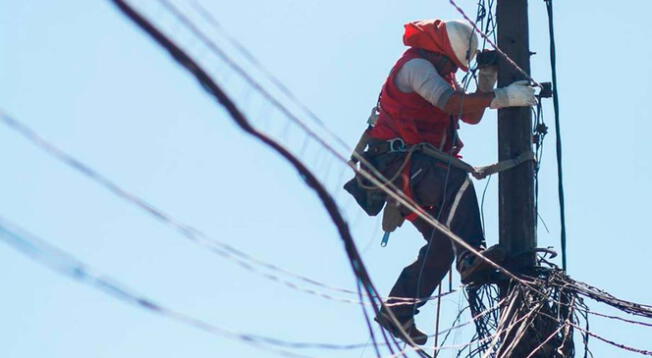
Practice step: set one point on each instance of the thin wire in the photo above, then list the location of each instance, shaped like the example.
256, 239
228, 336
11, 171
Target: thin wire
67, 265
555, 101
192, 233
401, 199
443, 203
210, 19
505, 56
539, 133
436, 353
603, 339
484, 193
454, 123
396, 194
218, 94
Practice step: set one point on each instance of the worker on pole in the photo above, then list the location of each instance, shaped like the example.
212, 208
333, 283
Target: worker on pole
420, 106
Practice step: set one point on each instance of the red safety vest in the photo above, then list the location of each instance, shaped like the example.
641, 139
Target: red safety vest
413, 118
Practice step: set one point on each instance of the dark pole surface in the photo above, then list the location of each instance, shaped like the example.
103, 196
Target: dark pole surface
516, 186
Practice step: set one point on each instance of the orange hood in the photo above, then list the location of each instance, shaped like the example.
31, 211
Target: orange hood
431, 35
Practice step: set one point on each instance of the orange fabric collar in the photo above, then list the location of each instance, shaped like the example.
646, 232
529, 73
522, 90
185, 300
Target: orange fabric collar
431, 35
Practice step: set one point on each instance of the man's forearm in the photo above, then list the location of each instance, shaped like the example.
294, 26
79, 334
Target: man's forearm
473, 117
472, 104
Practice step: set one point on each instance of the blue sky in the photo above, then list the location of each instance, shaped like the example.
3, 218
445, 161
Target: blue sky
91, 82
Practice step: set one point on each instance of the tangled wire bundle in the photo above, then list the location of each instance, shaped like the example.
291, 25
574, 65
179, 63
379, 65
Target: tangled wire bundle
535, 320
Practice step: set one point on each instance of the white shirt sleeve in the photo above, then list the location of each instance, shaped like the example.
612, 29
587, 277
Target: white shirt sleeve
420, 76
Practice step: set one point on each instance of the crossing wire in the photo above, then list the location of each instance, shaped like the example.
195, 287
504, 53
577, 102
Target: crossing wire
67, 265
454, 238
555, 98
32, 136
146, 303
372, 174
355, 260
434, 222
212, 88
397, 195
191, 233
493, 44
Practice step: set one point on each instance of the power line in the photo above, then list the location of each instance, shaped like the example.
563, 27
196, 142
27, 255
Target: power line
372, 174
435, 222
393, 192
225, 98
67, 265
555, 100
193, 234
501, 52
209, 85
311, 180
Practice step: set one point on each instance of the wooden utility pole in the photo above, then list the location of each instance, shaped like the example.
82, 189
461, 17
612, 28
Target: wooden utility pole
516, 186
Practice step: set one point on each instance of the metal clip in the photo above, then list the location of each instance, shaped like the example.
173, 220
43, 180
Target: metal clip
396, 145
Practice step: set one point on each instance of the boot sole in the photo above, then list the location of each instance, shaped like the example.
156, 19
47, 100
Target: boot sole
387, 325
497, 256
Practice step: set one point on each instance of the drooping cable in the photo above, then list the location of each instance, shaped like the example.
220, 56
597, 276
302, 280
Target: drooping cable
194, 66
192, 233
555, 101
43, 252
370, 173
188, 231
183, 59
67, 265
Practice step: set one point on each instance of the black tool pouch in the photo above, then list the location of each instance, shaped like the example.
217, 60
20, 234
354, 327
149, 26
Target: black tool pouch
372, 200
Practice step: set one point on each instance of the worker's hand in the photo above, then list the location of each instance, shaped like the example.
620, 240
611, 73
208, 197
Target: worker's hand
517, 94
487, 78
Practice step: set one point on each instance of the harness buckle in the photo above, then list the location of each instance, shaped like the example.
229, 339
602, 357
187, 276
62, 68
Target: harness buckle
396, 145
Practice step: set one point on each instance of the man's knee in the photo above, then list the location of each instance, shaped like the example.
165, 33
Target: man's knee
439, 252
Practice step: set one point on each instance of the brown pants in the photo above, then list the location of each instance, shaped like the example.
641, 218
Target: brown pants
450, 196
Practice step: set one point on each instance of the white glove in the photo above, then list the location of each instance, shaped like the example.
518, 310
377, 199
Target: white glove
517, 94
487, 78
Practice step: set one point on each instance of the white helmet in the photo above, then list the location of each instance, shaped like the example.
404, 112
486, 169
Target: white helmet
463, 40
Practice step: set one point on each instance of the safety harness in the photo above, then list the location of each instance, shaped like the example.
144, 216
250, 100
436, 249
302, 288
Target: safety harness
392, 216
397, 145
392, 122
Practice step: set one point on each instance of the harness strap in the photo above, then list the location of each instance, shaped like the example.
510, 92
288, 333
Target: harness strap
359, 148
477, 172
483, 172
430, 150
392, 217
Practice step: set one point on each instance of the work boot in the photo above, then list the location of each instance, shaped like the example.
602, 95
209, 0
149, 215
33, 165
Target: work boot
471, 266
406, 322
